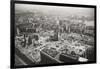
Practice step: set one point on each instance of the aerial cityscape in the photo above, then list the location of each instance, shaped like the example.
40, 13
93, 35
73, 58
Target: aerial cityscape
50, 36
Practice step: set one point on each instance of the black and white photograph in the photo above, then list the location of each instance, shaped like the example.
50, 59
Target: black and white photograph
50, 34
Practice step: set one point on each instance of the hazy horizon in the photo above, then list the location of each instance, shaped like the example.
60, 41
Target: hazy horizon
55, 10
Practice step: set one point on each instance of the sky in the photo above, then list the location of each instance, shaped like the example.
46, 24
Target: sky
55, 10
